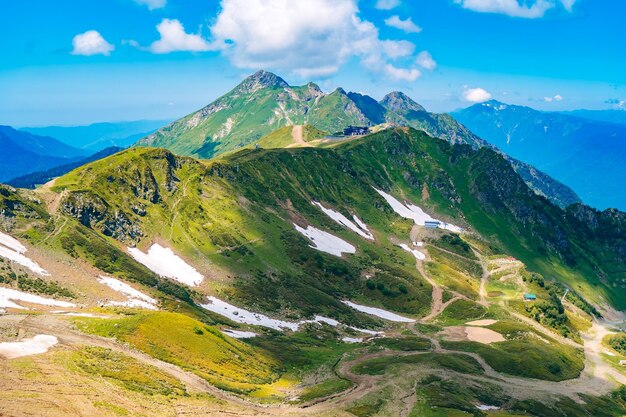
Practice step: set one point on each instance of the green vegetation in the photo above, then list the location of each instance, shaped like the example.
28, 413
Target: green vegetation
462, 311
325, 389
524, 353
455, 362
171, 337
618, 342
126, 372
34, 285
405, 344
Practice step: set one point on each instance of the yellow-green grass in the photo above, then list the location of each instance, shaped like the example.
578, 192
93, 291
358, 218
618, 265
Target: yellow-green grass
188, 343
324, 389
125, 371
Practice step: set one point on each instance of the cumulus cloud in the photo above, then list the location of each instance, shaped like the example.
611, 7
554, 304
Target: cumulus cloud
389, 4
402, 74
174, 38
306, 37
514, 8
557, 97
153, 4
91, 43
406, 25
476, 95
425, 60
398, 49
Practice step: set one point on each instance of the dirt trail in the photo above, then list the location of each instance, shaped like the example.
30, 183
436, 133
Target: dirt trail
484, 279
47, 324
297, 135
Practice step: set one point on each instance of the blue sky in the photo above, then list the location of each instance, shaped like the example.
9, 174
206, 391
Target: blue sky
66, 62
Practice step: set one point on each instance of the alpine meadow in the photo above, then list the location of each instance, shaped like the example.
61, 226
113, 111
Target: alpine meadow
183, 232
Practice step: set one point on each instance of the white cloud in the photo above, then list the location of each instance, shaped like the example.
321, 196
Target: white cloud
402, 74
153, 4
425, 60
174, 38
476, 95
557, 97
525, 9
398, 49
406, 25
305, 37
91, 43
387, 4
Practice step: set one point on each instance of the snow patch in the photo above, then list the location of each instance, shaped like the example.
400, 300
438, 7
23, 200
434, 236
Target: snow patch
244, 316
165, 263
13, 250
378, 312
352, 339
239, 334
136, 299
33, 346
484, 407
8, 295
12, 243
418, 255
325, 242
415, 213
359, 228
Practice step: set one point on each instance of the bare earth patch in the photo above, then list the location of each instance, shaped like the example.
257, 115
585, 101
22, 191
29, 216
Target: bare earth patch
473, 334
481, 323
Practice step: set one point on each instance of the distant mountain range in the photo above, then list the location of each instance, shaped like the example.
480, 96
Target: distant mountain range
23, 152
587, 155
33, 179
264, 102
610, 116
95, 137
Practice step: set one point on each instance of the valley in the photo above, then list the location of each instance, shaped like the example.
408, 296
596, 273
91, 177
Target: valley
370, 276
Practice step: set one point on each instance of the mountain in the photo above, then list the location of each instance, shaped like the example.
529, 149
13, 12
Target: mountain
33, 179
24, 152
586, 155
265, 102
303, 281
98, 136
609, 116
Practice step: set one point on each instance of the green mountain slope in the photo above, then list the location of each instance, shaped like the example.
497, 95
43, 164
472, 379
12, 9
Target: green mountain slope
235, 219
264, 102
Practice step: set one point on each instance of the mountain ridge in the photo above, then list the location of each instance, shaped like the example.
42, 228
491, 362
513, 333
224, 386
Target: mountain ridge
586, 155
269, 103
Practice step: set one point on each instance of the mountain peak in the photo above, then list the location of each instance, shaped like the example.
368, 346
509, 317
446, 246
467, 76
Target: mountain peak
398, 101
259, 80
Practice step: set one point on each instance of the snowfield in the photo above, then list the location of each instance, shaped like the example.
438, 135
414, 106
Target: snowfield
325, 242
12, 243
38, 344
418, 255
13, 250
240, 315
359, 228
239, 334
352, 339
136, 299
379, 312
243, 316
415, 213
8, 295
162, 261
